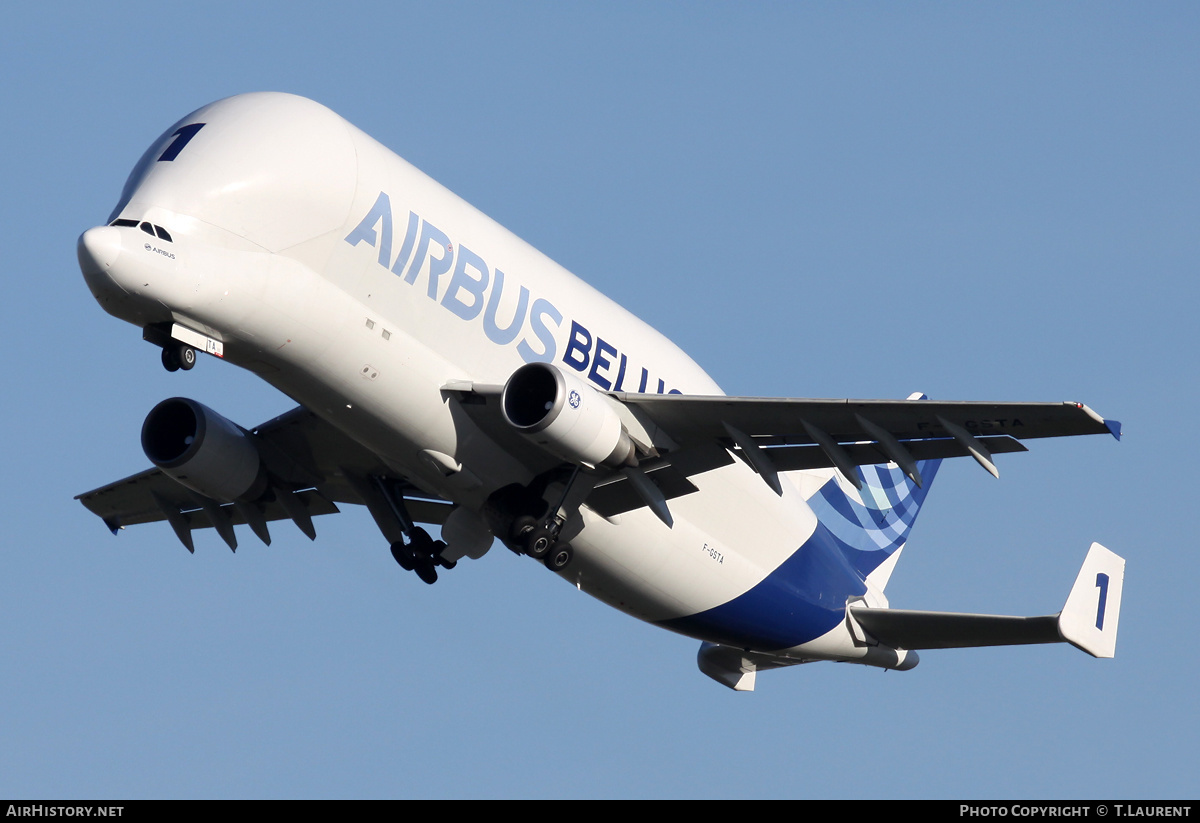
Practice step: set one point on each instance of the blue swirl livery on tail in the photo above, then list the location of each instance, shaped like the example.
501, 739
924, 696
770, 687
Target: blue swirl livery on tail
871, 525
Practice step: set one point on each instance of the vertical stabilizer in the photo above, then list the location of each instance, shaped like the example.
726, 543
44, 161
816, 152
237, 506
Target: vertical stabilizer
870, 525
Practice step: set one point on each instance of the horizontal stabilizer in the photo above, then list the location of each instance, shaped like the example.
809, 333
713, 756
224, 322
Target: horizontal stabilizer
906, 629
1088, 621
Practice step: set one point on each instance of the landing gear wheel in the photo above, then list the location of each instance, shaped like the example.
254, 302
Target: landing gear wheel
420, 541
186, 356
426, 571
176, 357
439, 547
423, 554
403, 555
538, 542
521, 527
516, 534
559, 557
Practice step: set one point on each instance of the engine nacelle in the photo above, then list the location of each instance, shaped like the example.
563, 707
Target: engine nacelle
565, 415
204, 451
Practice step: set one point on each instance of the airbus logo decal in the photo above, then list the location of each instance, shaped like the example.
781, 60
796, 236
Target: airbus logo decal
475, 291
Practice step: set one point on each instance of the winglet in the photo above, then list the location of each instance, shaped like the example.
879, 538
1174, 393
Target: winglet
1089, 620
1114, 426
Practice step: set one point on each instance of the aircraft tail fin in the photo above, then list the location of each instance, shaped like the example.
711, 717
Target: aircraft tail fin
871, 525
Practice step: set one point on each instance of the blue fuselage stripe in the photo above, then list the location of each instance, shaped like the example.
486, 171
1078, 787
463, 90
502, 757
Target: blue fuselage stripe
801, 600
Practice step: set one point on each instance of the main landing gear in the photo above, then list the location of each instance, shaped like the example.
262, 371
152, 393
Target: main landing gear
539, 540
421, 554
541, 537
417, 551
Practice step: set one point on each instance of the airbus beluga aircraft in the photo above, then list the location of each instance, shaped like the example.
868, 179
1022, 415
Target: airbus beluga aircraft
449, 374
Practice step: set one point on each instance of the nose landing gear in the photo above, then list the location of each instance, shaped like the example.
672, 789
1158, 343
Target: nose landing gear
180, 346
178, 356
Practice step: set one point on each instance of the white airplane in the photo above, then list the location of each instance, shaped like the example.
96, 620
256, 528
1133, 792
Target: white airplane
450, 374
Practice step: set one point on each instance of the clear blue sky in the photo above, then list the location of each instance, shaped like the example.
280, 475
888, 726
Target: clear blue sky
835, 200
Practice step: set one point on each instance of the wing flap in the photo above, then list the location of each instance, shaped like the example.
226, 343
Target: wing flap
616, 495
140, 499
796, 458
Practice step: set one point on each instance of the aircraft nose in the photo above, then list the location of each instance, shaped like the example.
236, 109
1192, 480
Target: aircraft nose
98, 250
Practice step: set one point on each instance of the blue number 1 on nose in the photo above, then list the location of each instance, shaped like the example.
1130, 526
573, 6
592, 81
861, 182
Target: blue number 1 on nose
182, 136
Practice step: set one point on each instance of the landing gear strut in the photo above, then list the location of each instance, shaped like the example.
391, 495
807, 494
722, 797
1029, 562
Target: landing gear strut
419, 552
540, 538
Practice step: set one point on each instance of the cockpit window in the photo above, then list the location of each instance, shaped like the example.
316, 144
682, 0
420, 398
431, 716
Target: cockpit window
148, 228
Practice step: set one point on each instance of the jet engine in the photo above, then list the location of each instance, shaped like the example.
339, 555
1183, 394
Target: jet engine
566, 416
204, 451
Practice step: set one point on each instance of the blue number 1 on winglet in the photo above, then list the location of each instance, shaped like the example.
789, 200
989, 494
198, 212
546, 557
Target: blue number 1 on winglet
1102, 584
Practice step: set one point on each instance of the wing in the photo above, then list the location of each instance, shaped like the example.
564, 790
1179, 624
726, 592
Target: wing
793, 434
682, 435
782, 419
312, 466
775, 435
